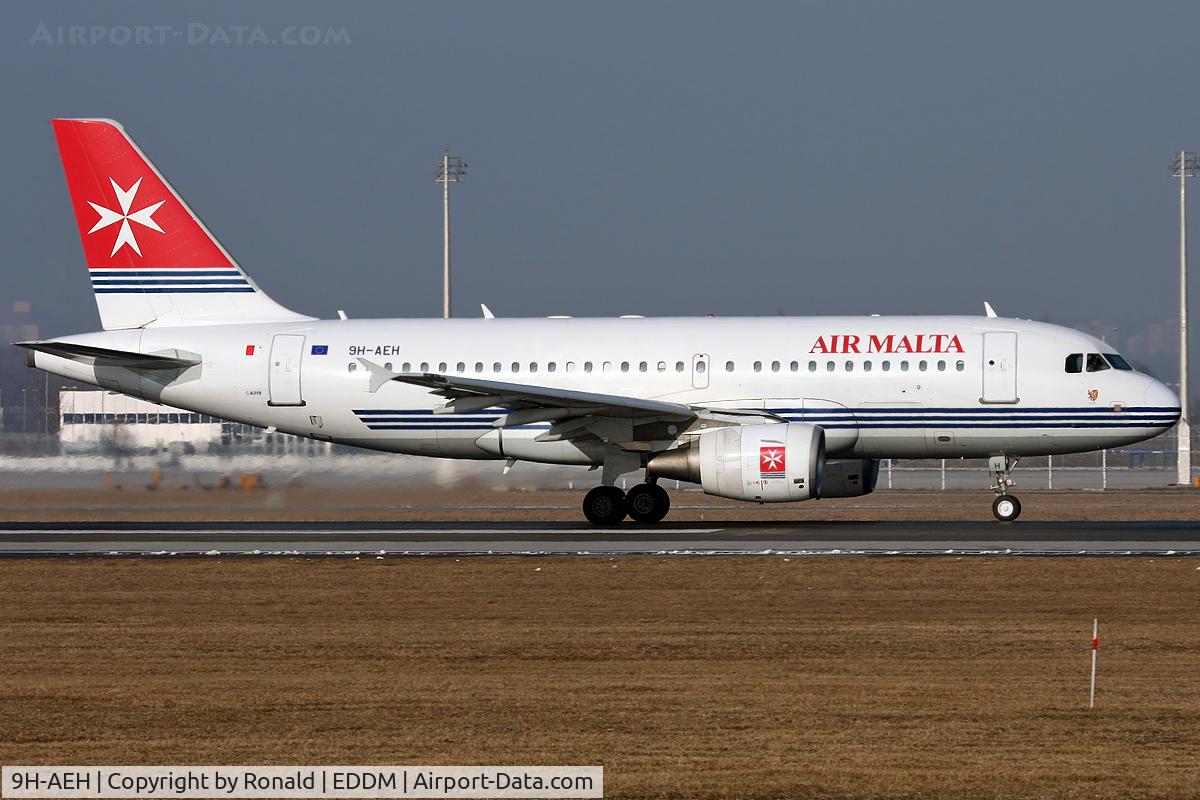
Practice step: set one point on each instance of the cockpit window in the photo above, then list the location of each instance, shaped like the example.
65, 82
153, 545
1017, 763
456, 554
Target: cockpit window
1075, 362
1096, 363
1118, 362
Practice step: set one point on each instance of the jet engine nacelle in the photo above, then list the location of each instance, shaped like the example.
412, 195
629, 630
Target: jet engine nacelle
850, 477
772, 463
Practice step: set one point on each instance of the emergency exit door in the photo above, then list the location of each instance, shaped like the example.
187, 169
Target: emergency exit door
286, 352
999, 367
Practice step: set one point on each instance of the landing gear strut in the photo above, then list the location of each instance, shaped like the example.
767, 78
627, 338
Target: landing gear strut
1006, 507
608, 505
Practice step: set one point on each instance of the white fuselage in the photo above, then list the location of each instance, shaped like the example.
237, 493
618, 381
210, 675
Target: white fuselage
899, 387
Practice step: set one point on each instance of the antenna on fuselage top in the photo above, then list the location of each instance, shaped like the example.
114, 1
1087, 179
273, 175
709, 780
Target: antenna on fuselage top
987, 309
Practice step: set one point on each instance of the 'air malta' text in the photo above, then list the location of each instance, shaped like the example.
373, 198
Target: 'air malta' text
918, 343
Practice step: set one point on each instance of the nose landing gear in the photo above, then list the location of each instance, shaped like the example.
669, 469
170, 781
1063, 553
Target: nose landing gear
1006, 507
608, 505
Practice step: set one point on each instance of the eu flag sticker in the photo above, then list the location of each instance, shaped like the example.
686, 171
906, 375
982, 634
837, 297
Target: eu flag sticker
320, 349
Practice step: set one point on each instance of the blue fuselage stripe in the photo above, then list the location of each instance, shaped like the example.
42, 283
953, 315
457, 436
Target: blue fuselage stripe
174, 290
167, 282
1138, 417
216, 272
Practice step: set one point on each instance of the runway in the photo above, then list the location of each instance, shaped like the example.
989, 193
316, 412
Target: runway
385, 539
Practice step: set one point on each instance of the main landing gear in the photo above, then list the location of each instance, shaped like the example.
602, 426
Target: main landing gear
608, 505
1006, 507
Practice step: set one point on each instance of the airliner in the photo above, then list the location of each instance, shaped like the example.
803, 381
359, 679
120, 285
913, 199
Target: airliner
764, 410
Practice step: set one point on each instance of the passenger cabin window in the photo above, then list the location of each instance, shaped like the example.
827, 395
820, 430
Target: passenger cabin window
662, 366
774, 366
758, 366
812, 366
551, 367
679, 366
1074, 362
795, 366
729, 366
1096, 363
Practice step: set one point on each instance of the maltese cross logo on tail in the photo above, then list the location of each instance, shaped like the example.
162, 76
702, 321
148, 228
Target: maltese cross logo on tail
771, 462
144, 216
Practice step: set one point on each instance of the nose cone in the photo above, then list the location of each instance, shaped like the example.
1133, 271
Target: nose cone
1162, 402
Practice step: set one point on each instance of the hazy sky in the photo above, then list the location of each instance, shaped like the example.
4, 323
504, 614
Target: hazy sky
654, 158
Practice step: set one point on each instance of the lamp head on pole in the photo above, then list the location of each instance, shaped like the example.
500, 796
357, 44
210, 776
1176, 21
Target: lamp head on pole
1185, 164
450, 169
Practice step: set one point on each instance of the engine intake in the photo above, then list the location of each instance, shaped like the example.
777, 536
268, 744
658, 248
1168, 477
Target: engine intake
772, 463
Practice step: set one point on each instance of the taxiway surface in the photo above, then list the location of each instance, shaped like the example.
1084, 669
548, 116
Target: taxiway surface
550, 538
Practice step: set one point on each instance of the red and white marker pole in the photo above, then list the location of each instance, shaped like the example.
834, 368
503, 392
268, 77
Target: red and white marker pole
1095, 649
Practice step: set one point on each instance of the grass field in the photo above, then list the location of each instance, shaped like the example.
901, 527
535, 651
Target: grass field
707, 677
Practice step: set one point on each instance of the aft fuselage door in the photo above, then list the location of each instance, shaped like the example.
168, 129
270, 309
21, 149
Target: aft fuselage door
700, 371
287, 350
999, 367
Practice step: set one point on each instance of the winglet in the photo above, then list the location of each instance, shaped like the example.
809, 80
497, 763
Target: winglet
987, 309
487, 312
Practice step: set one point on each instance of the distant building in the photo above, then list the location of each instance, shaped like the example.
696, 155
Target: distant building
97, 417
23, 392
93, 418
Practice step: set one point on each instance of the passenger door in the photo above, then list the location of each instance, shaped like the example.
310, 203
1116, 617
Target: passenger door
287, 350
999, 367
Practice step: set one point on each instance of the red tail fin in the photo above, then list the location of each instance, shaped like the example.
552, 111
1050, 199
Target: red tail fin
127, 214
151, 260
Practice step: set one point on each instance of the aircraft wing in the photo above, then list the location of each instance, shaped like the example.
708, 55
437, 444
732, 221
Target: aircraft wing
575, 414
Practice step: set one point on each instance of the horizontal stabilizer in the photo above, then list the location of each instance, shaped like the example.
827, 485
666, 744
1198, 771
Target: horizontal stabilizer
104, 357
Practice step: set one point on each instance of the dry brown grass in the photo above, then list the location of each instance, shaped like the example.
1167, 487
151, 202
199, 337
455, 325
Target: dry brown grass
715, 677
465, 503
